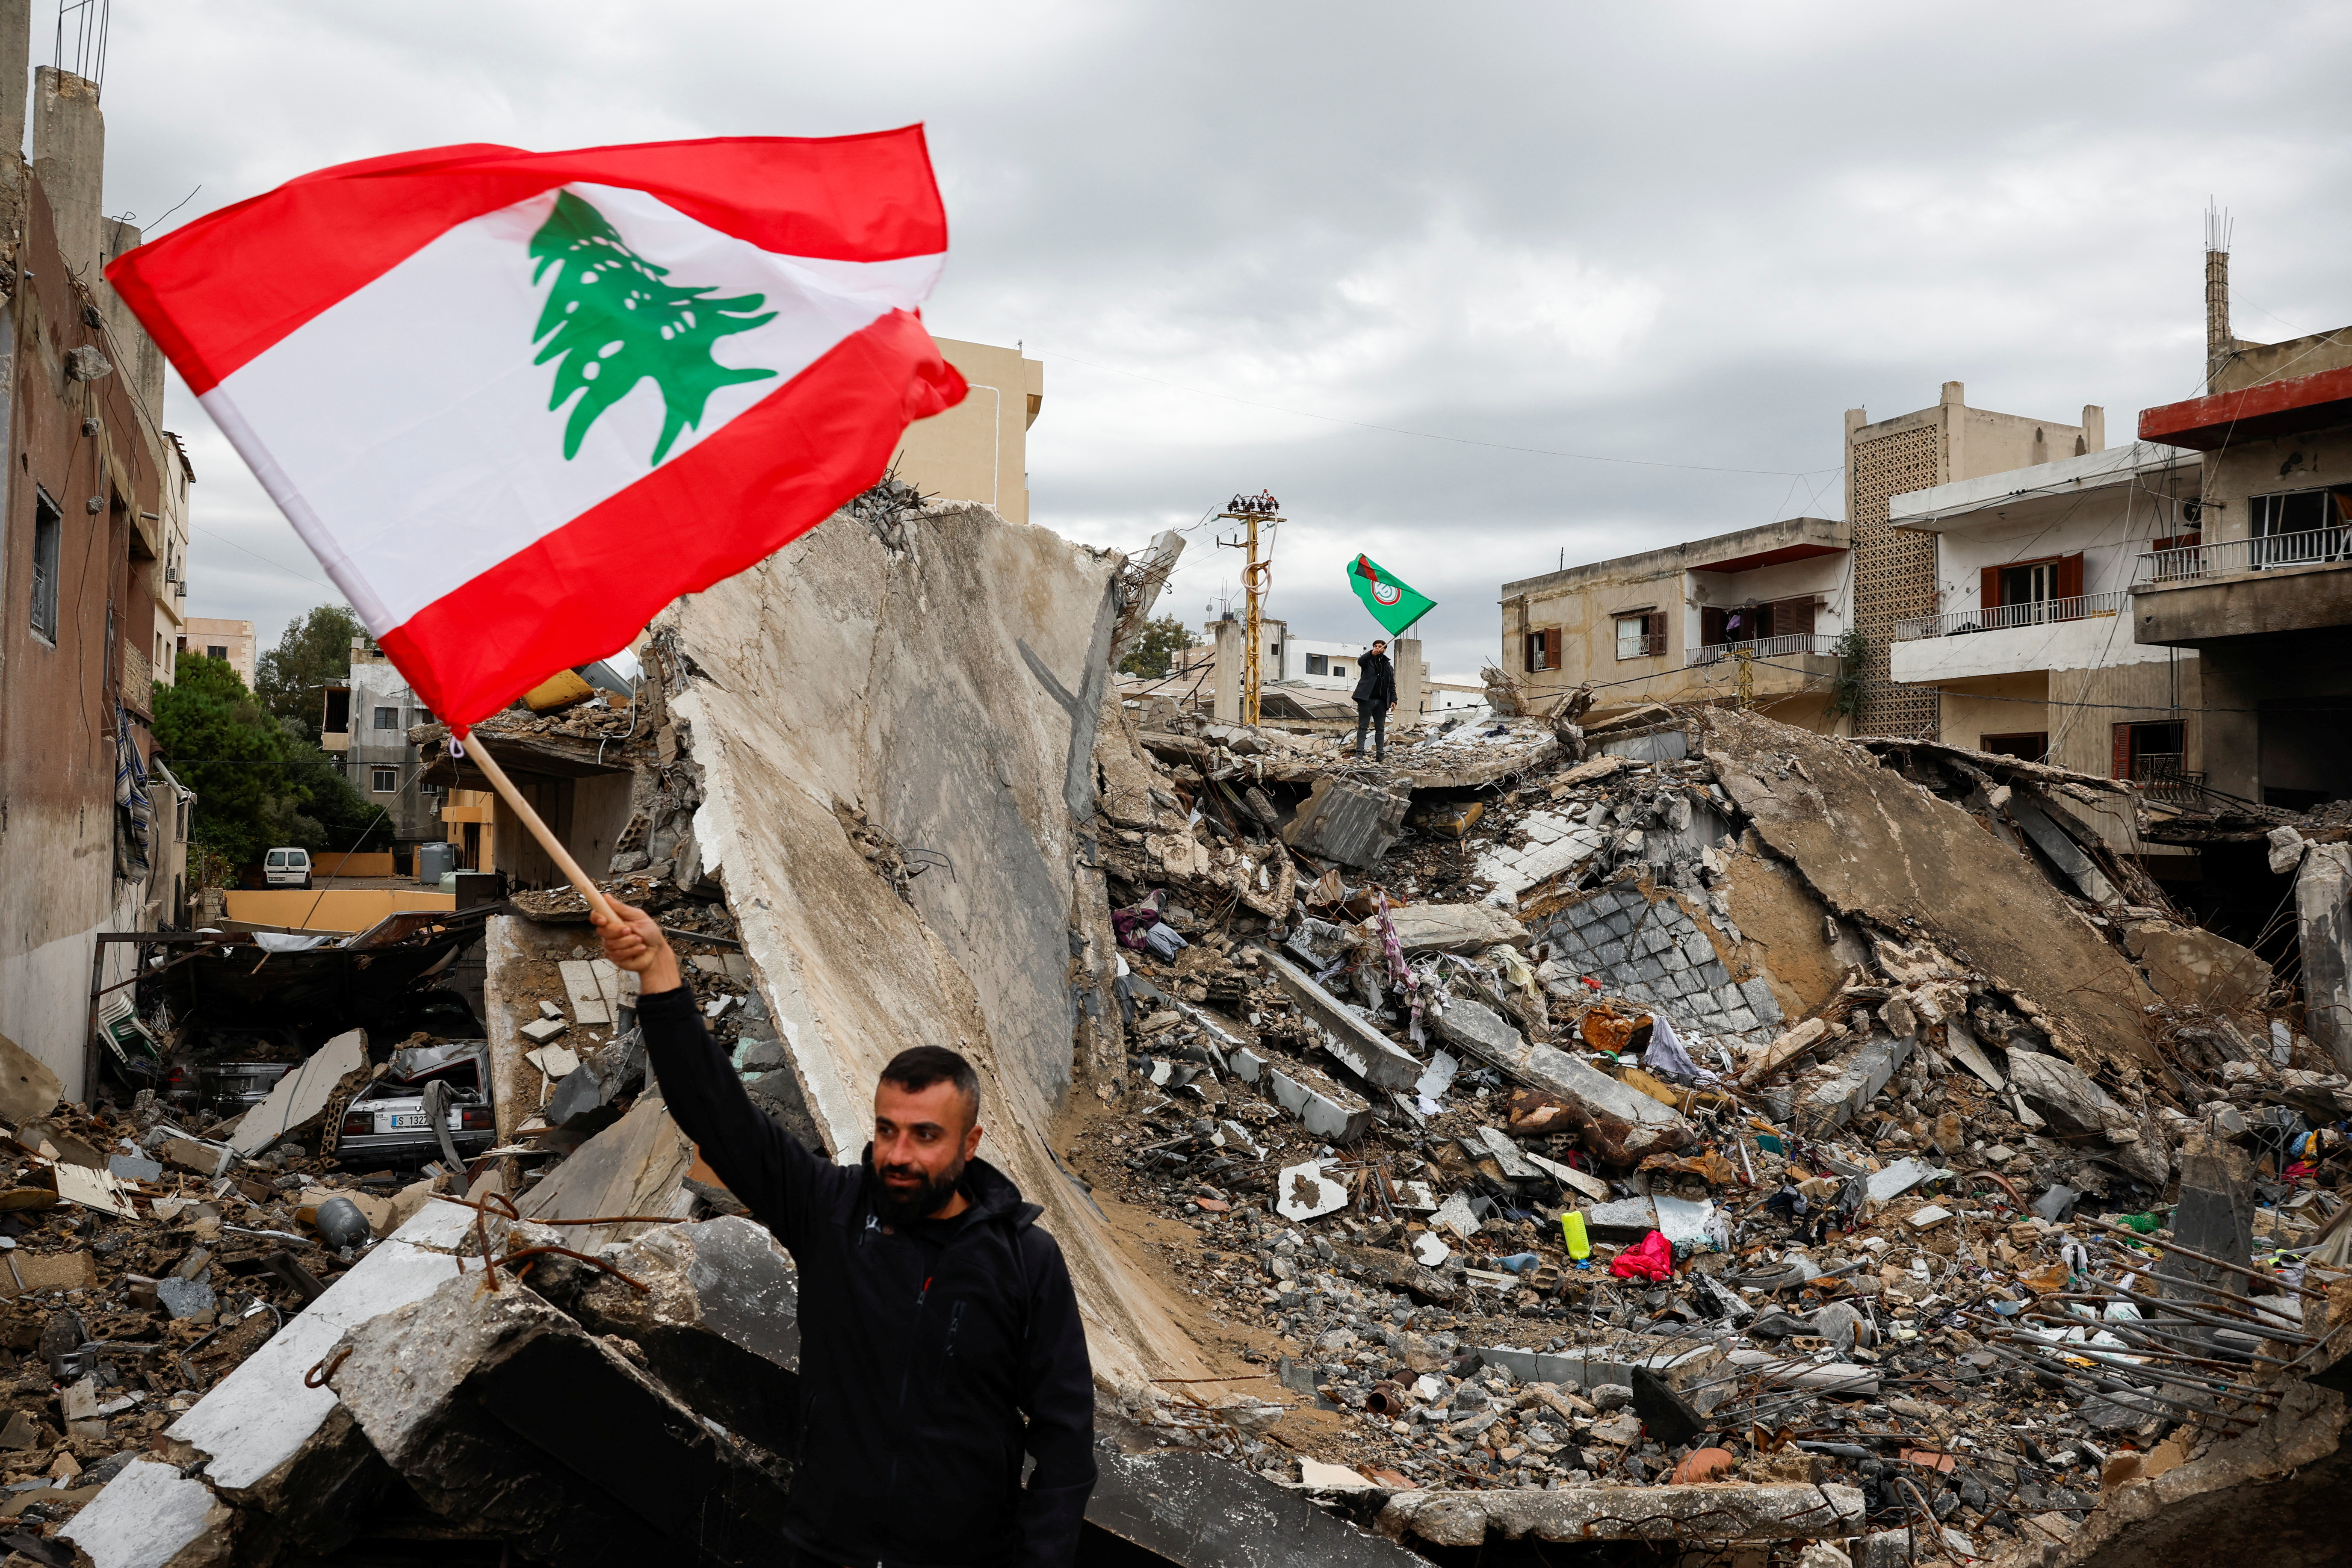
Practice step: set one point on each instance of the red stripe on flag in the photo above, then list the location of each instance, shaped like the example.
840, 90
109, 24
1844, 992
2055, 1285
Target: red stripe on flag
218, 292
768, 476
1365, 570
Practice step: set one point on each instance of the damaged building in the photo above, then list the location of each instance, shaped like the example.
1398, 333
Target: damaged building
1657, 1132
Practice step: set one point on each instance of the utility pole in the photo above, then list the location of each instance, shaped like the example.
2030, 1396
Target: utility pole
1256, 576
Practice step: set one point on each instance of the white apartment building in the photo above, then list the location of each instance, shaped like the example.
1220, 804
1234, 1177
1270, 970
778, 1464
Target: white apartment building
2031, 648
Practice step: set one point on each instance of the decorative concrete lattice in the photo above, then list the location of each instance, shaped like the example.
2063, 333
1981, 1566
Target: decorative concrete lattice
1656, 954
1894, 572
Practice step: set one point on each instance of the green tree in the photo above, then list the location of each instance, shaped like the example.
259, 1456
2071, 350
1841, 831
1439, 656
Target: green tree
1156, 647
256, 786
613, 321
315, 650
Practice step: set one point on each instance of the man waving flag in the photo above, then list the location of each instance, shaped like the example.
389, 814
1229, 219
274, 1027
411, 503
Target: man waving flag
517, 402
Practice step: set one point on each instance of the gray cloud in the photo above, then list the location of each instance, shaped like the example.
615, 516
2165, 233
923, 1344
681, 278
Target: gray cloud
1685, 234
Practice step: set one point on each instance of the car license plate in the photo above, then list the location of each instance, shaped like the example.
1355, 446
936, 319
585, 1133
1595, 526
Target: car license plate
400, 1121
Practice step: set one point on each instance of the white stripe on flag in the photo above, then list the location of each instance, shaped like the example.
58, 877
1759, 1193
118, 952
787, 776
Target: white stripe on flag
405, 433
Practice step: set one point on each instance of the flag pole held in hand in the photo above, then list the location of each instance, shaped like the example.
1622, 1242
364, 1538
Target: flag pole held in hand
597, 906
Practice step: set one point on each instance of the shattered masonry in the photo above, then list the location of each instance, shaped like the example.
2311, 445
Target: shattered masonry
1942, 1193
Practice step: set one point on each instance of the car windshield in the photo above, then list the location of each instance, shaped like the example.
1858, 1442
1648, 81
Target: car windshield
276, 858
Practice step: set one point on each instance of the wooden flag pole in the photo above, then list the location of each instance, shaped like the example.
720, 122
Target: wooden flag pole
480, 754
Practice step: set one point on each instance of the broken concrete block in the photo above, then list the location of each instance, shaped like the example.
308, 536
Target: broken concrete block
1454, 928
1819, 1377
1719, 1514
1369, 1054
134, 1168
1322, 1107
1629, 1125
498, 1410
2284, 849
28, 1090
2193, 966
1348, 821
1861, 1074
1624, 1219
199, 1156
2065, 854
582, 990
300, 1096
718, 1322
2323, 907
149, 1515
635, 1167
1304, 1193
1784, 1050
539, 1031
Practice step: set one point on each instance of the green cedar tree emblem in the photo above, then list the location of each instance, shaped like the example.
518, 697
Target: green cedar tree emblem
614, 321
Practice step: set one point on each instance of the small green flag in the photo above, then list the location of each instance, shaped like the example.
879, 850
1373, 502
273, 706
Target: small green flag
1391, 603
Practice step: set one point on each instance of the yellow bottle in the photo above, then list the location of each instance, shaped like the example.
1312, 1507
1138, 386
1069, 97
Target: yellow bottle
1571, 1236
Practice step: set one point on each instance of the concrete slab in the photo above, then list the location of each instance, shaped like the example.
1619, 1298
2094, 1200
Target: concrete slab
966, 723
635, 1167
1873, 844
580, 989
1346, 821
1369, 1054
1456, 928
1721, 1515
147, 1516
302, 1095
1630, 1125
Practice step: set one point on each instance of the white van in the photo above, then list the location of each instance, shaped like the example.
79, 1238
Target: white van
286, 868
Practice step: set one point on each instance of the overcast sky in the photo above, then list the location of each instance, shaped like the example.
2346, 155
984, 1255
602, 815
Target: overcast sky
1685, 237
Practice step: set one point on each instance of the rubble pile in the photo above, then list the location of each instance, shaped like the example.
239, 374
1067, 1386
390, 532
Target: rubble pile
1657, 1126
1567, 1188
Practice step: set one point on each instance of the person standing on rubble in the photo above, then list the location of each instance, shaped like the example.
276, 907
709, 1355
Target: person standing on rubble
1375, 696
940, 1338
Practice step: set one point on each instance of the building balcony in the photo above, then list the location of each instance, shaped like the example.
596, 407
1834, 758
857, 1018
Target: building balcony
1794, 645
2243, 587
2079, 633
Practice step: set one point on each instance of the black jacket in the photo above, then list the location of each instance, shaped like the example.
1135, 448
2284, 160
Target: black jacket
1375, 681
922, 1351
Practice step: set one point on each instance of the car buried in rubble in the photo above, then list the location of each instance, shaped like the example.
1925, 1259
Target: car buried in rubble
390, 1121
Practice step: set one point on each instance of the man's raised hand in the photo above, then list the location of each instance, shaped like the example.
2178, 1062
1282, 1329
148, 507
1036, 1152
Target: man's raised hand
632, 942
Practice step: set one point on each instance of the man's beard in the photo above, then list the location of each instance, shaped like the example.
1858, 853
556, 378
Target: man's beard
903, 1205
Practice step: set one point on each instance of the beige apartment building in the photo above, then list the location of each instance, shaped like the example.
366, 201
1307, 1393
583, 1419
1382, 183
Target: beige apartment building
170, 586
979, 450
1671, 625
1895, 569
208, 636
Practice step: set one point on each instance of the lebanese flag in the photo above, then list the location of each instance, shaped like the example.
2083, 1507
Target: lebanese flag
518, 402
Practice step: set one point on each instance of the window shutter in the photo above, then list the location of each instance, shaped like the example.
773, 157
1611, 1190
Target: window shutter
1710, 627
1533, 646
1988, 595
1653, 627
2121, 769
2070, 577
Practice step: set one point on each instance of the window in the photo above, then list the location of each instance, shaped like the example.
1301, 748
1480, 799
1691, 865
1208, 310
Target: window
2027, 593
1543, 649
2150, 754
387, 718
1319, 664
2300, 528
1339, 670
277, 859
215, 651
2026, 746
384, 781
49, 531
1642, 636
339, 711
420, 715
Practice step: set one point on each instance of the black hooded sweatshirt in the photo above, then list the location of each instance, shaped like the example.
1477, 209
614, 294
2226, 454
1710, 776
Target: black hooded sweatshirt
932, 1355
1375, 679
